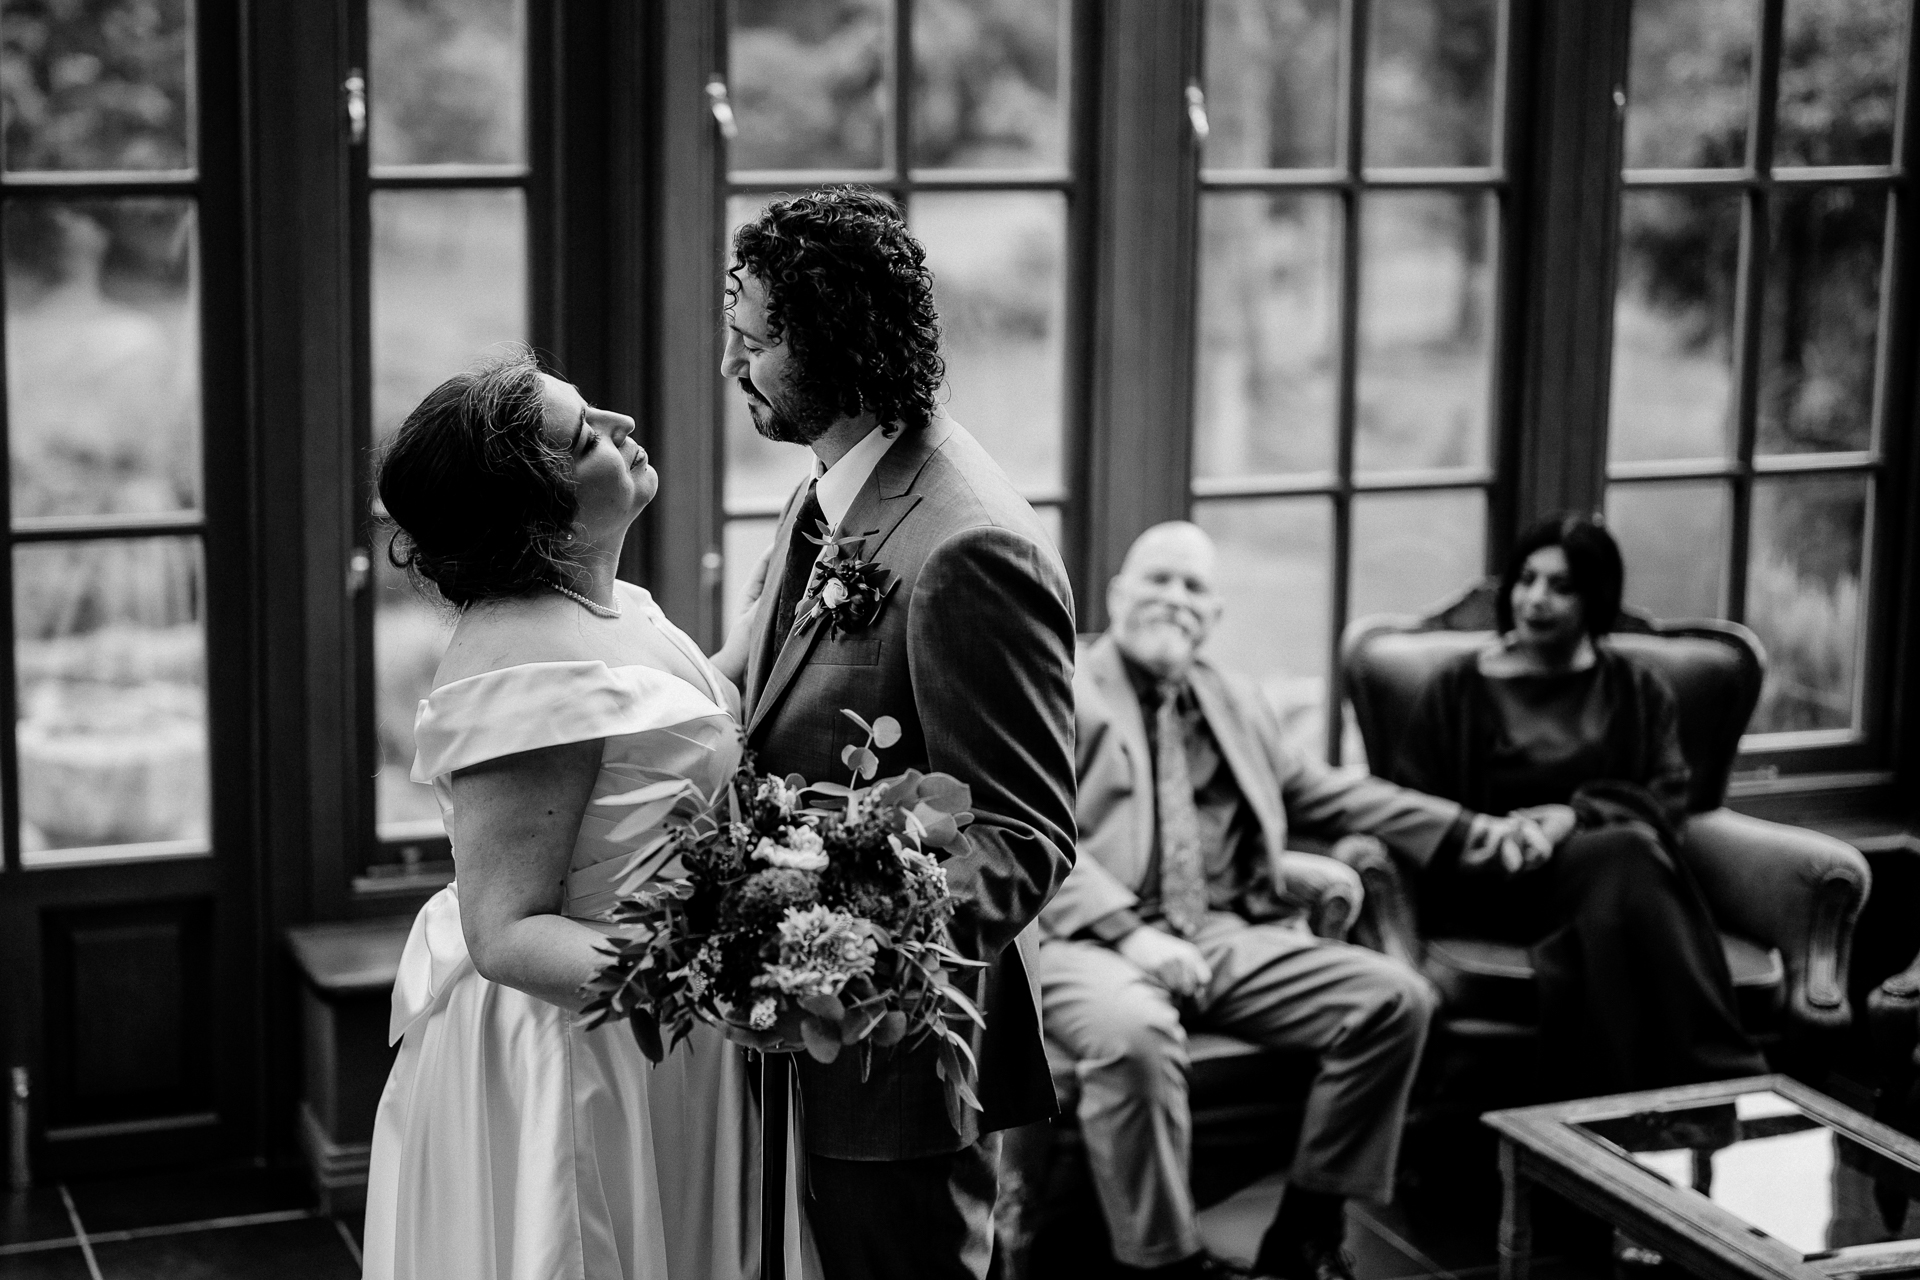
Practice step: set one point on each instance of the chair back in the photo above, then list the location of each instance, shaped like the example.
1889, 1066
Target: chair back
1714, 668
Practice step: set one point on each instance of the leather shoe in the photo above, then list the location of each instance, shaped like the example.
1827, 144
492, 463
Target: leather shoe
1306, 1260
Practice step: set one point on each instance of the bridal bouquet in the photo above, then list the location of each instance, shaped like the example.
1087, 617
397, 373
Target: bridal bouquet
810, 917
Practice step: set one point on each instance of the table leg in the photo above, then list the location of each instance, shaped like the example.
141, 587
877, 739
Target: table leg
1516, 1216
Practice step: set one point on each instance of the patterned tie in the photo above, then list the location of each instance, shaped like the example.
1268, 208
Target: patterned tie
801, 553
1183, 876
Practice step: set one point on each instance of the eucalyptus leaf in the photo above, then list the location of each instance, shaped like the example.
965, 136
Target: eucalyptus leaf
822, 1040
886, 731
826, 1007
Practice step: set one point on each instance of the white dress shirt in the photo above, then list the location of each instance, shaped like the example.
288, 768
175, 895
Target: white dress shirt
838, 485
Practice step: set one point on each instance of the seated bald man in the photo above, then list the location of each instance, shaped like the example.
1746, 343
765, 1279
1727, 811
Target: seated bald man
1166, 925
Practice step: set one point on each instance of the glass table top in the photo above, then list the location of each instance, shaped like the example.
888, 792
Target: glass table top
1775, 1167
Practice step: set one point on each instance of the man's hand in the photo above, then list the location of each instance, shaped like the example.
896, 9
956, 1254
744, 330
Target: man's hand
1556, 821
1174, 963
1514, 843
731, 658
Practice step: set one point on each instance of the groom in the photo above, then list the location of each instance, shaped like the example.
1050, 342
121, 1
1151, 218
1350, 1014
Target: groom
833, 340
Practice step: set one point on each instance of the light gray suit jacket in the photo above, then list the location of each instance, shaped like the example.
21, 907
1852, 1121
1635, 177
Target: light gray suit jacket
973, 654
1281, 785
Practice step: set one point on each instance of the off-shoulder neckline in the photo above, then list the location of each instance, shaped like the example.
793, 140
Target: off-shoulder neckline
609, 667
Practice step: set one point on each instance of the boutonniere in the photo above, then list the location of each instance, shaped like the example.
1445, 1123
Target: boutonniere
846, 589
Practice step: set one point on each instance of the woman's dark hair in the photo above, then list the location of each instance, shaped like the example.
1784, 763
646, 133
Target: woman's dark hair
482, 500
848, 289
1593, 562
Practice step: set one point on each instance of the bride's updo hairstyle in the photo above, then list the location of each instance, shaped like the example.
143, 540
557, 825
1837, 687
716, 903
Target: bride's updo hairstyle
482, 501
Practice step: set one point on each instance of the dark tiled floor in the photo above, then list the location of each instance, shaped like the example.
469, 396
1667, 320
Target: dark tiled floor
214, 1224
307, 1249
158, 1199
201, 1224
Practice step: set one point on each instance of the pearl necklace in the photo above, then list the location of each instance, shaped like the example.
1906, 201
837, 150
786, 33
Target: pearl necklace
593, 606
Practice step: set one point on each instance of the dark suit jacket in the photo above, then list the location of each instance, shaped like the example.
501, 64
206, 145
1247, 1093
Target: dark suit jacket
973, 654
1279, 784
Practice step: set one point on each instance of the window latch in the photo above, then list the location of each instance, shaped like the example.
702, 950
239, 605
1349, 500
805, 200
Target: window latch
359, 567
1197, 114
355, 88
722, 108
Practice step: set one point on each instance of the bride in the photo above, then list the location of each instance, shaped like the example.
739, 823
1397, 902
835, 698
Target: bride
512, 1144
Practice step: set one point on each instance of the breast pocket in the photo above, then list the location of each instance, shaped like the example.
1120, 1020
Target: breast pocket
847, 651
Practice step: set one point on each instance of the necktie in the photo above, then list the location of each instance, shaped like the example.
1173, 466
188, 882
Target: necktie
801, 553
1183, 877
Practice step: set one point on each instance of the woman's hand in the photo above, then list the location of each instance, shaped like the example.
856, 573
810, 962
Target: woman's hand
1514, 843
1556, 821
731, 658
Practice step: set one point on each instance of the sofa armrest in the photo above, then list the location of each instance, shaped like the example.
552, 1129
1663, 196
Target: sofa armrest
1387, 922
1791, 889
1330, 889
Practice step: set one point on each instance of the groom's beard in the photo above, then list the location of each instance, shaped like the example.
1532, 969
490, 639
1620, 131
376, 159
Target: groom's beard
796, 418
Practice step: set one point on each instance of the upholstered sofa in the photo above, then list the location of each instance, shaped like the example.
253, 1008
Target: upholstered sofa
1786, 898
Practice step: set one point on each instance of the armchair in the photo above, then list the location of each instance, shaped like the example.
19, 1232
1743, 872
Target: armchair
1786, 898
1245, 1099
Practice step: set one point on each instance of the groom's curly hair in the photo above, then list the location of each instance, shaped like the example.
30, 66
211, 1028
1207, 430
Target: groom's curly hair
849, 289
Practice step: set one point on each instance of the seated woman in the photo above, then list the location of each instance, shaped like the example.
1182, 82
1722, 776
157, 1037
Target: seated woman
1573, 746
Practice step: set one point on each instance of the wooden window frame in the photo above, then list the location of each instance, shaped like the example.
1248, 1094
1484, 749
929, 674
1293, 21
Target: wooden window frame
1860, 754
1351, 180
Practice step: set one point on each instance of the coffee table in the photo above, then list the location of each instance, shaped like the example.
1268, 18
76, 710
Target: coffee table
1755, 1177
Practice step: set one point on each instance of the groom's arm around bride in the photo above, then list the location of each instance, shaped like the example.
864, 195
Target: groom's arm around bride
834, 342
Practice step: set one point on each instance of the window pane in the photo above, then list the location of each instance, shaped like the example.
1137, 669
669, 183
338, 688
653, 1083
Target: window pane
1272, 83
1430, 82
411, 626
998, 264
1276, 560
809, 84
1674, 540
1822, 320
99, 85
1839, 79
1803, 598
448, 81
103, 353
745, 542
1426, 330
1673, 322
989, 84
449, 281
1688, 83
111, 658
760, 473
1412, 550
1269, 343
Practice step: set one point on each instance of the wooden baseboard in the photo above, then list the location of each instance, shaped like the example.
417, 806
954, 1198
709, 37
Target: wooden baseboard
336, 1166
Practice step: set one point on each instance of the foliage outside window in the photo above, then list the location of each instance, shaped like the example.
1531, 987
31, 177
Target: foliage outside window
103, 335
1750, 362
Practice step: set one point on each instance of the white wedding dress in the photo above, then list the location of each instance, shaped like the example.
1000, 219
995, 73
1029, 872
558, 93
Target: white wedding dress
511, 1144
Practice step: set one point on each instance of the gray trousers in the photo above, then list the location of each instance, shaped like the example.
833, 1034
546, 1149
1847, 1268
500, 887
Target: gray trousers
1364, 1015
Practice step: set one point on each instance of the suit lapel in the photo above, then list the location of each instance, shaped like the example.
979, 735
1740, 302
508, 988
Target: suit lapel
877, 510
1230, 730
1110, 677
